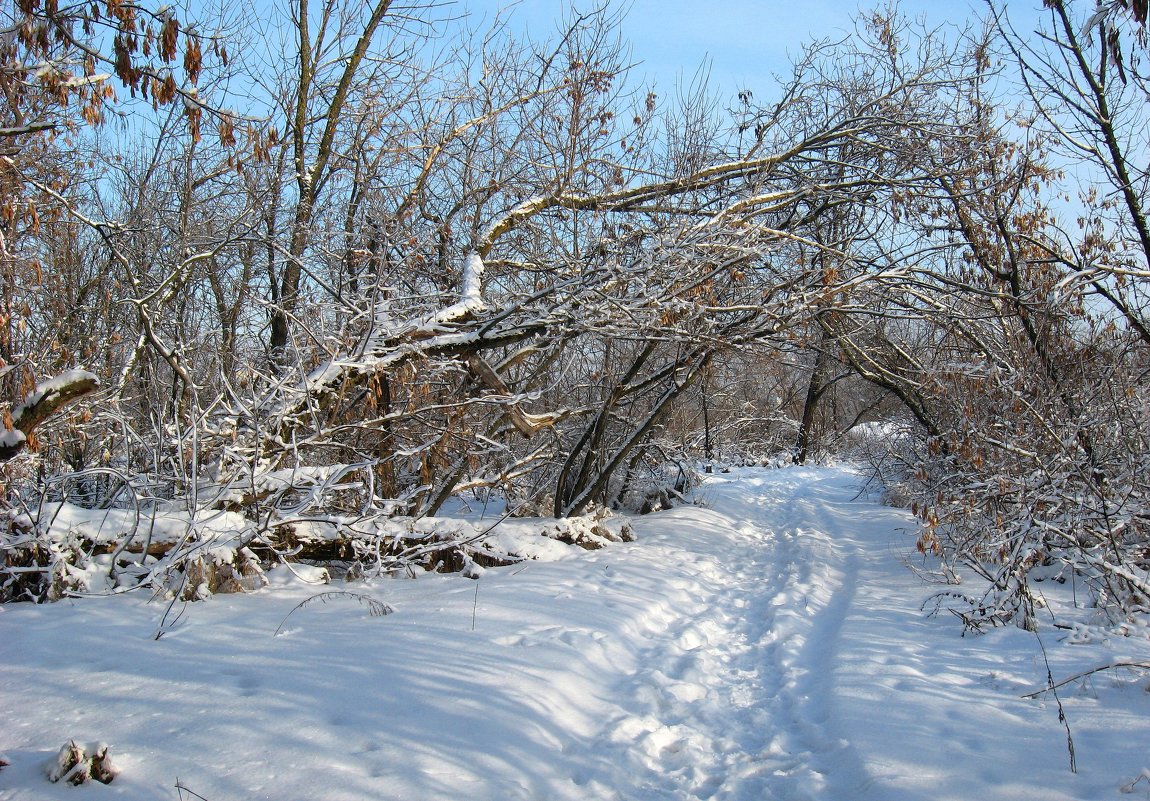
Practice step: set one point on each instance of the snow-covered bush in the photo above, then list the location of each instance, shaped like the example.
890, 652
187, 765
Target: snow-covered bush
1034, 476
78, 764
217, 570
37, 568
119, 541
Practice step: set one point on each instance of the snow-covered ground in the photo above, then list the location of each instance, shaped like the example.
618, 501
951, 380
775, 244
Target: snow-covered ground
766, 643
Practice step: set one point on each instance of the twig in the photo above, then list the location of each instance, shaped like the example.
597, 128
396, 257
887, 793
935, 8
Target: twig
1129, 786
375, 607
1053, 688
181, 789
1085, 673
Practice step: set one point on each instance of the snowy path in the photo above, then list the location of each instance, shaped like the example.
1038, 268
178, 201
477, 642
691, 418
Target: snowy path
731, 699
766, 644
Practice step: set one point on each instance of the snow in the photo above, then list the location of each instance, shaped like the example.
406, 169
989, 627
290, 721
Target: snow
165, 523
470, 296
767, 642
10, 438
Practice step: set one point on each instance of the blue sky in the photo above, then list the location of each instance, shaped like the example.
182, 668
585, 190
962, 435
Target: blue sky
745, 41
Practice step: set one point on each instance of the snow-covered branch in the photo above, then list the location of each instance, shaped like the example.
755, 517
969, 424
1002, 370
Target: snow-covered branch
46, 400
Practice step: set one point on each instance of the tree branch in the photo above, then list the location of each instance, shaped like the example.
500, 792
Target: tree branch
48, 399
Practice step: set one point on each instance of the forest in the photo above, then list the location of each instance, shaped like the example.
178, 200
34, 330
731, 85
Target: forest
288, 283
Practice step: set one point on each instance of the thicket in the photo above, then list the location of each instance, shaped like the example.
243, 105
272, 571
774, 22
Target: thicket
327, 280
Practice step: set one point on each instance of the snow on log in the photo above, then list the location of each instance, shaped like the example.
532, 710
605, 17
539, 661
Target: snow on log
48, 398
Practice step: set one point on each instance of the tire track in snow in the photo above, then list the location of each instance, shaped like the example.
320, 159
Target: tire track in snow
732, 701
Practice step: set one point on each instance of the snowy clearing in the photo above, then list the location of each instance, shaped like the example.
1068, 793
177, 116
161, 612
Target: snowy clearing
766, 643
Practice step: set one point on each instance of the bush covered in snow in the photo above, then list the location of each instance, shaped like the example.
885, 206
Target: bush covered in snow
61, 547
76, 764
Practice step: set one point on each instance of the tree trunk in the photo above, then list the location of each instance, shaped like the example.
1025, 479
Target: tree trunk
815, 389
